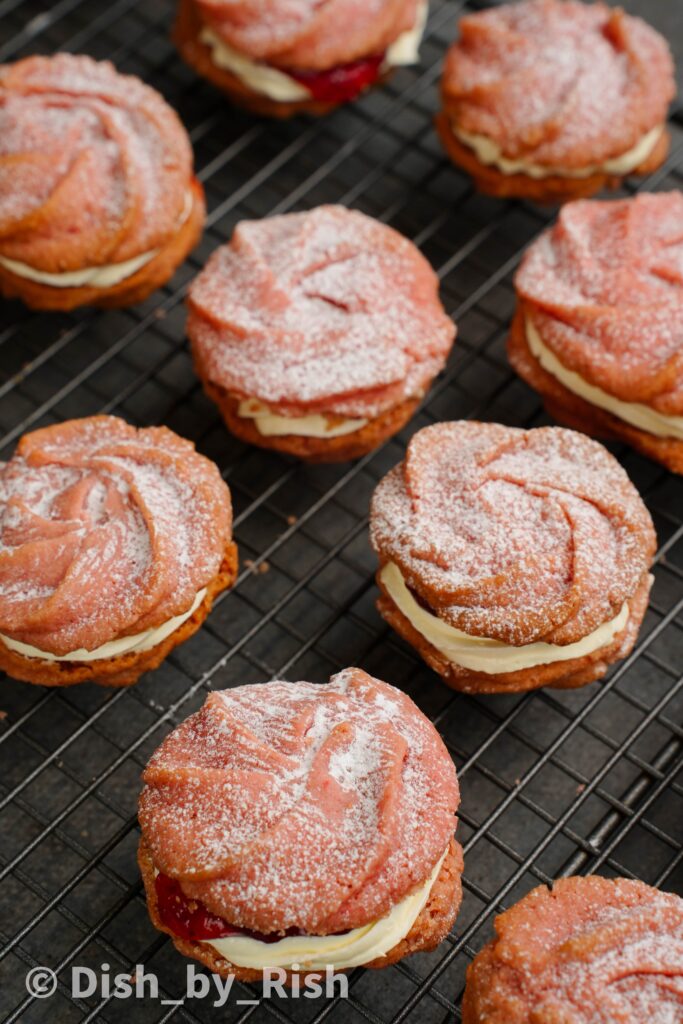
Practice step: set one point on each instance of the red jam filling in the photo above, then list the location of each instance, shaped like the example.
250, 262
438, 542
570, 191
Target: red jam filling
340, 84
189, 919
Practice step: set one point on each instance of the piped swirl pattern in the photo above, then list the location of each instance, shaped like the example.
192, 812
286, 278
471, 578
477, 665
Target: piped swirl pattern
511, 534
604, 289
95, 168
558, 83
105, 531
324, 311
588, 951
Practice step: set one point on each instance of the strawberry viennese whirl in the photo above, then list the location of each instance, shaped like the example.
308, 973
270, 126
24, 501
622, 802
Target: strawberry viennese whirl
317, 333
555, 99
302, 826
512, 559
114, 543
285, 57
587, 951
598, 330
98, 200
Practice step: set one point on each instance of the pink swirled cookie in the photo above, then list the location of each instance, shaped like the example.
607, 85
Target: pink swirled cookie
599, 325
285, 57
555, 99
317, 333
590, 950
512, 559
114, 543
299, 826
98, 199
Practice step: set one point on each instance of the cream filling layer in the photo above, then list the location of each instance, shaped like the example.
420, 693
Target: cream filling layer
137, 643
316, 952
271, 425
488, 152
104, 276
637, 415
482, 654
278, 85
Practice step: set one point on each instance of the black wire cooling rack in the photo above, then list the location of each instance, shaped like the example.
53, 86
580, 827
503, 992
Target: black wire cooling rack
553, 782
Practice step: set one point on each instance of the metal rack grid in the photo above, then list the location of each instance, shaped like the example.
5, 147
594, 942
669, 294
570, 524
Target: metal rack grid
553, 782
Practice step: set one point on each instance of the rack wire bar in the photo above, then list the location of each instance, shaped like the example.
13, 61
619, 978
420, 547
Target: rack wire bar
553, 782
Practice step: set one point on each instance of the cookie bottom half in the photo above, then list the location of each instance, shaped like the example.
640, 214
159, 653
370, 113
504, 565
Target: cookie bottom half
576, 412
126, 669
554, 188
561, 675
312, 449
429, 929
128, 292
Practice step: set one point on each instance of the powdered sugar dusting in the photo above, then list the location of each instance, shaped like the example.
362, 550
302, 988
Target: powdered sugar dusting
308, 34
105, 530
592, 950
605, 288
105, 151
295, 805
511, 534
558, 82
321, 311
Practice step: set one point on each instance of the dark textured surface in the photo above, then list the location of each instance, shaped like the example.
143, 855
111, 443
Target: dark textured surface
552, 782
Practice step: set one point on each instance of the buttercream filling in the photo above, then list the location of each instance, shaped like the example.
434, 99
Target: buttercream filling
488, 152
637, 415
104, 276
316, 952
483, 654
269, 424
281, 87
136, 643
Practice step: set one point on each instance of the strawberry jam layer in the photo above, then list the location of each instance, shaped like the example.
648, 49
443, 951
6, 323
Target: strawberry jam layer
343, 83
190, 919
